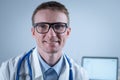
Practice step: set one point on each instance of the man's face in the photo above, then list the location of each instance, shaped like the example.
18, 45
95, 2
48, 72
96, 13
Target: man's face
50, 42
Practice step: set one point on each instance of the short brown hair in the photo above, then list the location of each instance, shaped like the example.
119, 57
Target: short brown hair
52, 5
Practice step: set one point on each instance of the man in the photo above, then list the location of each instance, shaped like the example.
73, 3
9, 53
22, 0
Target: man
46, 61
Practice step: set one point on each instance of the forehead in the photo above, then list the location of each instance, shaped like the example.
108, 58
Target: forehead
50, 16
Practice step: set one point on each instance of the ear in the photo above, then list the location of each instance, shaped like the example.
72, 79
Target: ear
33, 32
68, 31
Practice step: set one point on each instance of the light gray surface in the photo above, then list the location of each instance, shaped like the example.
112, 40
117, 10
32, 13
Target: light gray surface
95, 28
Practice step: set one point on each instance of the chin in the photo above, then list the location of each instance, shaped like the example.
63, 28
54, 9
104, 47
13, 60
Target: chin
52, 51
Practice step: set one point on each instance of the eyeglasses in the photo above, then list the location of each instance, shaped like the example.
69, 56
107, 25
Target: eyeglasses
44, 27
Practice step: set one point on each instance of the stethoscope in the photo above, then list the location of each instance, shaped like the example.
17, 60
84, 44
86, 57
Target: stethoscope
26, 56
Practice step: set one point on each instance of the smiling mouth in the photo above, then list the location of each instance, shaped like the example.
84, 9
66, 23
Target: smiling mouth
51, 42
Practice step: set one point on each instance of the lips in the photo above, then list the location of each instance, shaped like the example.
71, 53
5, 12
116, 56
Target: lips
51, 42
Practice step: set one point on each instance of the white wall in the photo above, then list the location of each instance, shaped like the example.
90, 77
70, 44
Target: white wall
95, 28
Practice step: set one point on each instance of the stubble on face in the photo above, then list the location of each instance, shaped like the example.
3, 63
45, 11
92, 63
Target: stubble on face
50, 42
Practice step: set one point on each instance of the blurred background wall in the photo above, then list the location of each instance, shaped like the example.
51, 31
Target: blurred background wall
95, 28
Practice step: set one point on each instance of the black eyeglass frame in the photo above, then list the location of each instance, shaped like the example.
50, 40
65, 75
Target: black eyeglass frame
50, 26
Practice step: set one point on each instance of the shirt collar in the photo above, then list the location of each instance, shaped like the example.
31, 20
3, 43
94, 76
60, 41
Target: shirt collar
57, 67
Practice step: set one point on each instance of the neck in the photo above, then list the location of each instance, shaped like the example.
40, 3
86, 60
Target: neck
50, 58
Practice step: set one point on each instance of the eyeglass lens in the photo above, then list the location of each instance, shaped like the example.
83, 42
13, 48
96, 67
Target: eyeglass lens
57, 27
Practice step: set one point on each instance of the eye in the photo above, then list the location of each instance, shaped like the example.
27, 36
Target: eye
59, 26
43, 26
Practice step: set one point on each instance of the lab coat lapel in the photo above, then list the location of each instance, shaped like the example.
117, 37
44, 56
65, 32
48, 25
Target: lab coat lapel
65, 72
24, 70
36, 66
38, 72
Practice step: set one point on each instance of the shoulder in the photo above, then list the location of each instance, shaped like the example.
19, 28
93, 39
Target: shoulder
11, 63
8, 68
78, 71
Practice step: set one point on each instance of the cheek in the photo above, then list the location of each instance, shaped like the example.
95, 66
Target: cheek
63, 39
38, 38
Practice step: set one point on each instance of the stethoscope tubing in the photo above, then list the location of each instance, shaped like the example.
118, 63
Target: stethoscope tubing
26, 56
70, 71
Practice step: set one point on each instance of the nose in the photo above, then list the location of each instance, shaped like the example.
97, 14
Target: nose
51, 32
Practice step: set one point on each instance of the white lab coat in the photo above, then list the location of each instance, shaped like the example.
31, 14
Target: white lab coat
8, 69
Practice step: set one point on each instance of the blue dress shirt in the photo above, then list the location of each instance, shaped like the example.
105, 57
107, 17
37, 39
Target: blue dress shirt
57, 67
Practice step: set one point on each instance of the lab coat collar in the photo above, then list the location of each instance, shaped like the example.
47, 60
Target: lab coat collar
38, 72
36, 66
65, 72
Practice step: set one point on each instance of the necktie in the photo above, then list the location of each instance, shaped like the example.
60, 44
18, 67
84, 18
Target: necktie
50, 74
